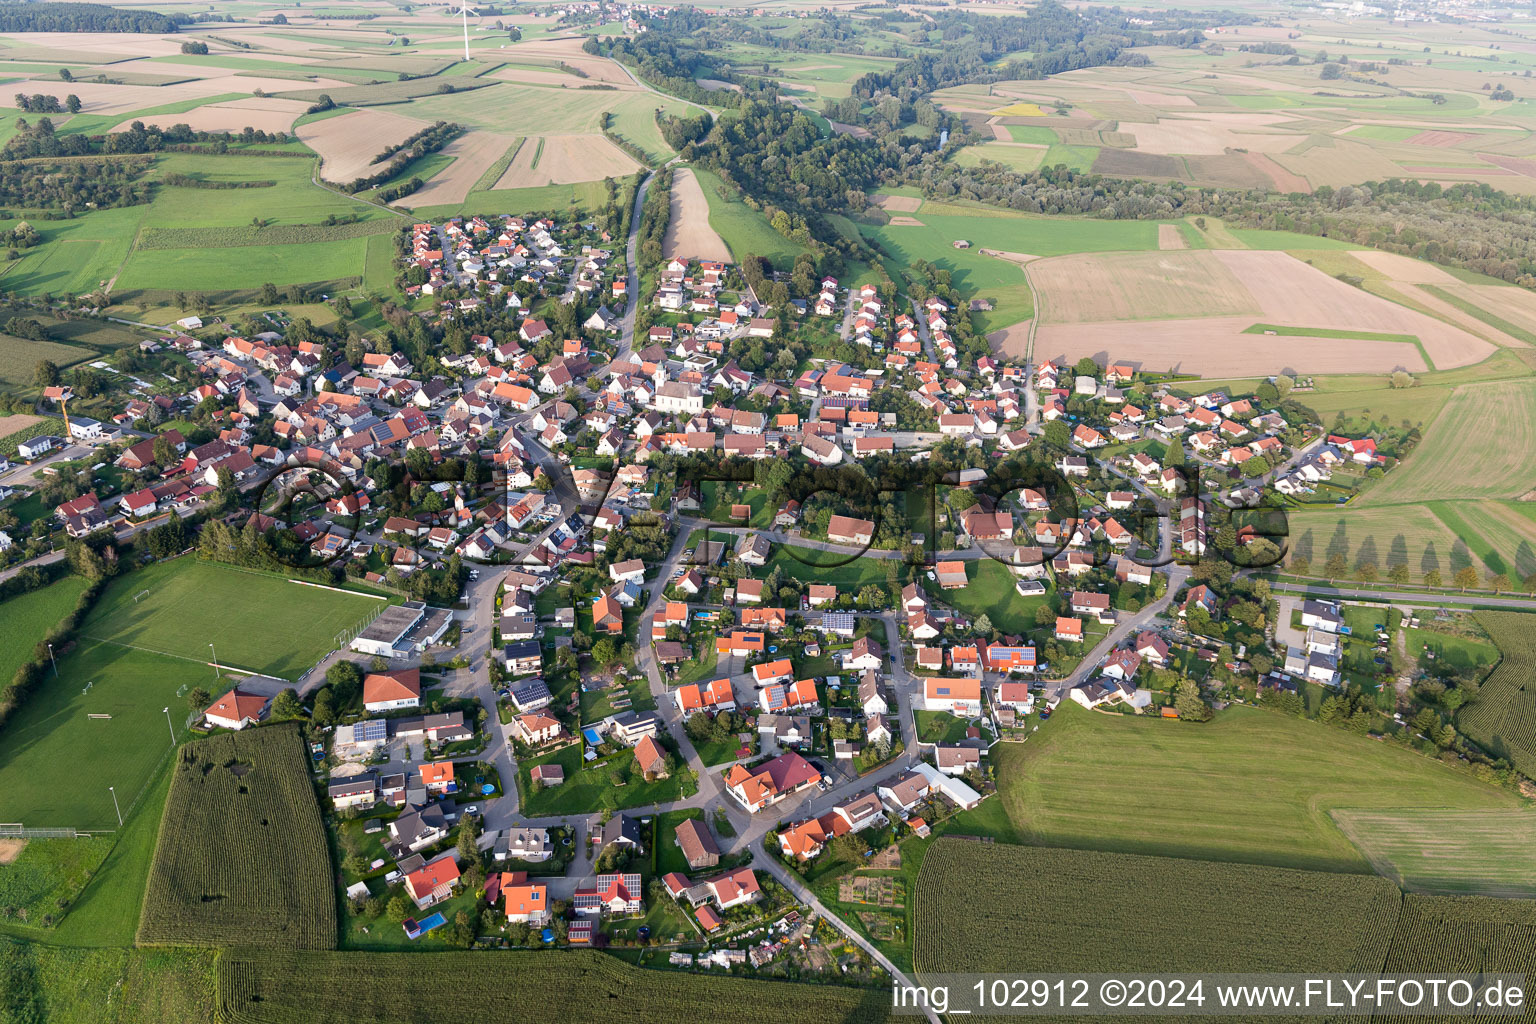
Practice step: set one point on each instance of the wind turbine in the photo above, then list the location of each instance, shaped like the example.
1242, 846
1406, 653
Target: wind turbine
464, 10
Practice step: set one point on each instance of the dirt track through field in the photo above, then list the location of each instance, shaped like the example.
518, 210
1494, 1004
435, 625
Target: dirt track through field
564, 160
473, 155
348, 143
689, 235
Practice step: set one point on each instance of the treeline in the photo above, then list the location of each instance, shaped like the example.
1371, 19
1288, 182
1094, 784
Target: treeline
42, 140
640, 156
654, 215
428, 140
180, 180
95, 558
1468, 225
42, 103
67, 17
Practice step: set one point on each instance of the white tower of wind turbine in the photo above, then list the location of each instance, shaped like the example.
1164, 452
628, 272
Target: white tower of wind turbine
464, 11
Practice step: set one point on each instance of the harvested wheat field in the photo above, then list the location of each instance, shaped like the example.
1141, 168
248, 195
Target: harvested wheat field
262, 113
1012, 341
1097, 287
568, 50
565, 160
1020, 258
1217, 347
689, 235
1168, 237
1211, 134
901, 204
906, 222
347, 144
473, 155
1403, 269
17, 422
1289, 291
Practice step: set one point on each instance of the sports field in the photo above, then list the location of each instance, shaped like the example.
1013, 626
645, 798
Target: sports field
29, 617
1251, 786
56, 762
258, 622
1450, 852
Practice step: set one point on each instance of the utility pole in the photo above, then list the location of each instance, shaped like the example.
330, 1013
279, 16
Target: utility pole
55, 662
119, 810
167, 710
215, 661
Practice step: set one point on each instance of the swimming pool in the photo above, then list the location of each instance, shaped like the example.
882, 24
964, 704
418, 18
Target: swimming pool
592, 736
416, 929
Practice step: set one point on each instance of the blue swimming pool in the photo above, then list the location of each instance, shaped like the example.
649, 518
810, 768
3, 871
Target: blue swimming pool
592, 736
416, 929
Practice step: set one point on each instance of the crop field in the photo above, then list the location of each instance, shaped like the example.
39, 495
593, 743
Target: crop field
1020, 158
471, 155
1475, 448
28, 618
1448, 852
534, 110
990, 277
254, 621
1472, 934
242, 856
1077, 910
347, 144
19, 357
1503, 717
318, 987
1281, 289
44, 875
56, 762
564, 159
1411, 535
689, 233
1250, 786
1138, 286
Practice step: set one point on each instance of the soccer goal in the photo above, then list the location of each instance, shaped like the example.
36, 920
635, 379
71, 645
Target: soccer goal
87, 688
142, 593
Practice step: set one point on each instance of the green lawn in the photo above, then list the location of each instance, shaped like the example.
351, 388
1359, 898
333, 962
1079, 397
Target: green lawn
254, 621
668, 856
991, 592
1450, 652
589, 789
56, 763
108, 986
940, 727
29, 617
1251, 785
814, 566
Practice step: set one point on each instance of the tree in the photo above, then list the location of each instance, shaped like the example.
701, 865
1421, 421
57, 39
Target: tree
269, 294
1465, 578
46, 373
605, 652
72, 103
1174, 456
1331, 72
1188, 702
469, 833
984, 624
1336, 565
1058, 435
198, 699
1432, 578
1499, 582
286, 706
65, 75
398, 908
